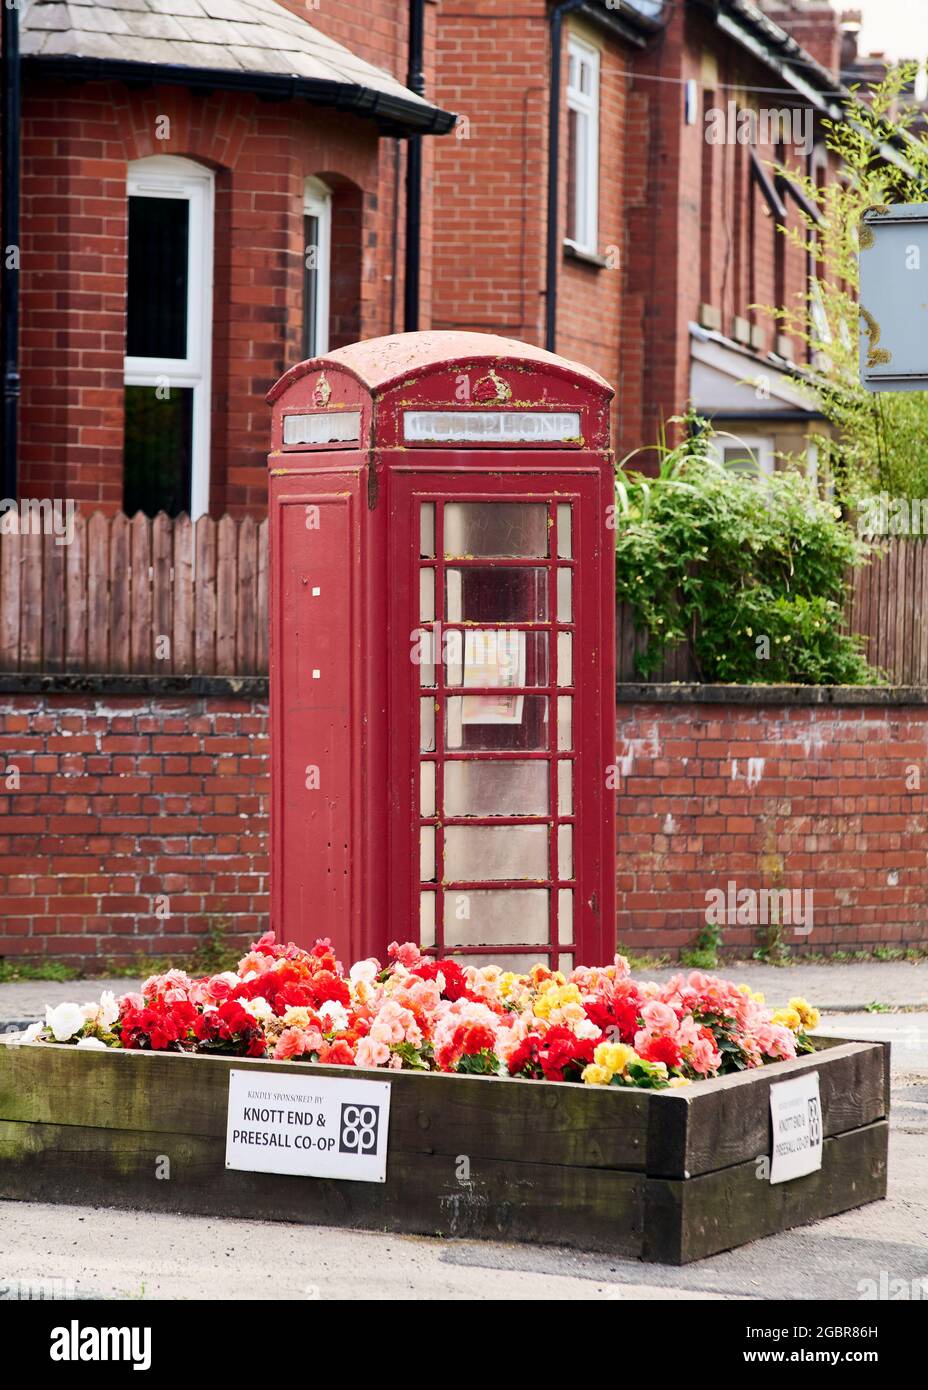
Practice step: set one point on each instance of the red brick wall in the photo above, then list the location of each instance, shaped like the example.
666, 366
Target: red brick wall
492, 67
77, 144
825, 806
122, 799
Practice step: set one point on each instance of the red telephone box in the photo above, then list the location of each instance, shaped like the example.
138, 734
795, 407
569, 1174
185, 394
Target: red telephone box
442, 652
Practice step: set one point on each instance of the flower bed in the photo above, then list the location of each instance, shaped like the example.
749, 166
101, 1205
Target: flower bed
656, 1156
597, 1026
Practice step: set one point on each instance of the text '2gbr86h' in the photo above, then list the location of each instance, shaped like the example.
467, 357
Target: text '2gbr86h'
442, 652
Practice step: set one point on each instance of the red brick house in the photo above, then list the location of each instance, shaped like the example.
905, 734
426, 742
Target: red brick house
271, 134
210, 191
664, 238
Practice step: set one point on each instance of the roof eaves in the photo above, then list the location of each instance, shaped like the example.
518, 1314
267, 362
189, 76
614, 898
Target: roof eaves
393, 114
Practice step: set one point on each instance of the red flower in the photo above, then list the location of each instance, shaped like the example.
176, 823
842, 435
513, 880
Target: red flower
620, 1015
467, 1040
662, 1049
337, 1053
455, 981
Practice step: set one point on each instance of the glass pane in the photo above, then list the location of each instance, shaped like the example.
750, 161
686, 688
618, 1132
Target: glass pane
427, 530
157, 450
521, 964
565, 916
427, 724
426, 789
565, 789
506, 722
422, 653
565, 964
565, 547
572, 229
495, 657
310, 284
497, 917
426, 918
565, 851
482, 852
156, 310
426, 853
564, 722
483, 595
426, 595
505, 788
496, 528
565, 658
564, 605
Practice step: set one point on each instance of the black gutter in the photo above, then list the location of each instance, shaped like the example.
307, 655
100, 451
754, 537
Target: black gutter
394, 115
556, 22
415, 80
10, 248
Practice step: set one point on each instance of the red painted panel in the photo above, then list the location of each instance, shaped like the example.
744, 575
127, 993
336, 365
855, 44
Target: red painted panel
313, 727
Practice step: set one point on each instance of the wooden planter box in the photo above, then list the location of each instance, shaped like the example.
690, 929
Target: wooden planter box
668, 1176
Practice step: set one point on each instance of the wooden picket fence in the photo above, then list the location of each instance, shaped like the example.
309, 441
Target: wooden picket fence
887, 603
137, 596
132, 595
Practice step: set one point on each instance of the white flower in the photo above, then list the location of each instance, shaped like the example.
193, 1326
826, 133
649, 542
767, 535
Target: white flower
31, 1034
109, 1009
91, 1042
336, 1014
258, 1008
64, 1021
365, 971
583, 1028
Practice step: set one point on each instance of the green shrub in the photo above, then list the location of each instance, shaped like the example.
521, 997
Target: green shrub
749, 572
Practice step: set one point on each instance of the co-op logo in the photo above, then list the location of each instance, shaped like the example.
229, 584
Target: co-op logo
359, 1128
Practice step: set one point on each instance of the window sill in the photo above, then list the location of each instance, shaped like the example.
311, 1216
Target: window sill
572, 252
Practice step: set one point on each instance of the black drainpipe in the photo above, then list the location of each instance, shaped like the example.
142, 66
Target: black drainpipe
554, 127
415, 81
9, 214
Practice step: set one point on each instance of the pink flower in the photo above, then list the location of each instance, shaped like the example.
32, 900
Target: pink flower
658, 1017
291, 1043
371, 1053
703, 1057
408, 954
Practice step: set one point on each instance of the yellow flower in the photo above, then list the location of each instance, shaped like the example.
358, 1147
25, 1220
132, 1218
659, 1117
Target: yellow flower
615, 1057
676, 1082
790, 1017
507, 983
746, 989
810, 1017
596, 1076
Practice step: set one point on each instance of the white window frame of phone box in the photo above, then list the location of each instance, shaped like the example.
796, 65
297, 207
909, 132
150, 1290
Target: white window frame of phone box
171, 176
583, 100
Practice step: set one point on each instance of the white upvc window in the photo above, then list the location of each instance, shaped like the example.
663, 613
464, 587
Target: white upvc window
752, 455
317, 254
168, 335
582, 145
